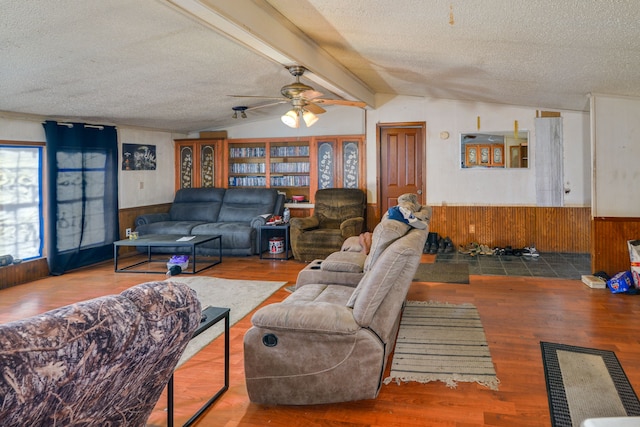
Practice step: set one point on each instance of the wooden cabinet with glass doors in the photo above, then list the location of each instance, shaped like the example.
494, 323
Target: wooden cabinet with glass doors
340, 162
293, 166
198, 163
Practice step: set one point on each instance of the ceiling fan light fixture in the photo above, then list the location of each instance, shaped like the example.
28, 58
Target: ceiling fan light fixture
291, 119
309, 118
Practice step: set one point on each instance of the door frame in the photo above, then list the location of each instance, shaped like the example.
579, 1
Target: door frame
379, 127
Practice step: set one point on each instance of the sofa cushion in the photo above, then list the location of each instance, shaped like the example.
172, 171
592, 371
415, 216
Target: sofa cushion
197, 204
233, 234
244, 204
385, 233
312, 308
346, 262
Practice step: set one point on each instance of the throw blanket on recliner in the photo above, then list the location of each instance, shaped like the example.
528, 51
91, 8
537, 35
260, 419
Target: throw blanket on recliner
102, 362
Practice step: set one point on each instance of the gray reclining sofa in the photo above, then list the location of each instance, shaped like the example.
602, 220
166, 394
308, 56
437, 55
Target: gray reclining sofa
235, 214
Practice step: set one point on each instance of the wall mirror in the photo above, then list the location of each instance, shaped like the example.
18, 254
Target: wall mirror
503, 149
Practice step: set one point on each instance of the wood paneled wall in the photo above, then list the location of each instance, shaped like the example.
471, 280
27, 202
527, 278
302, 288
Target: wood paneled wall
127, 218
24, 272
549, 229
609, 236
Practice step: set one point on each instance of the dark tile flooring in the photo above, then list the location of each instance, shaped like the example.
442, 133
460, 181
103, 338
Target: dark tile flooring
551, 264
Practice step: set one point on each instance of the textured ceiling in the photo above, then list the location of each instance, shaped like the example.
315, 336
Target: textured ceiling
149, 63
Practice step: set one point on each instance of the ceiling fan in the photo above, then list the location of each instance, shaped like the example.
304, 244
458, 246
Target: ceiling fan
304, 99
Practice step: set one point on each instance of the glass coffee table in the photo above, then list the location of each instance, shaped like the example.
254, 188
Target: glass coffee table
185, 245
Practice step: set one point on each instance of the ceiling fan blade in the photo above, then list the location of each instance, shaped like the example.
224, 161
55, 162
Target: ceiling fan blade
340, 102
314, 108
260, 97
270, 104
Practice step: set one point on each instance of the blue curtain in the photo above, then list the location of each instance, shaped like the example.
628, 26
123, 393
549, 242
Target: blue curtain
82, 170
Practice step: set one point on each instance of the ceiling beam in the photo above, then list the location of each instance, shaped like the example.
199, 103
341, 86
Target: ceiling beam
258, 26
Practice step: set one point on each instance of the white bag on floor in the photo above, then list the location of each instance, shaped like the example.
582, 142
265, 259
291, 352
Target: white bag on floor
634, 256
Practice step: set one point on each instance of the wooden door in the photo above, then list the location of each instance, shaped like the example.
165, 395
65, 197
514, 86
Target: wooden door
401, 162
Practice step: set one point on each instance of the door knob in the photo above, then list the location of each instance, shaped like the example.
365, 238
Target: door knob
419, 191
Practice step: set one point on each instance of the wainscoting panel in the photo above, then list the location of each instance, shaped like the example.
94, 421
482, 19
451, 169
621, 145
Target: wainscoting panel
550, 229
609, 251
128, 216
24, 272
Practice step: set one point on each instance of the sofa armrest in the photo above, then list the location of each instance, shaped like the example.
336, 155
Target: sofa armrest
351, 227
319, 317
306, 223
151, 218
258, 221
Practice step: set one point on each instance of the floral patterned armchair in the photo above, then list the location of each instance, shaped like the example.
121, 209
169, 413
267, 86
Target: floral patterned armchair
101, 362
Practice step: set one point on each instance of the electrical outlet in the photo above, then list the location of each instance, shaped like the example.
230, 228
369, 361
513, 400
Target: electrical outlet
127, 232
472, 228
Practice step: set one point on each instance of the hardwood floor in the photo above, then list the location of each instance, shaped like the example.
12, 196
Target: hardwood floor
517, 313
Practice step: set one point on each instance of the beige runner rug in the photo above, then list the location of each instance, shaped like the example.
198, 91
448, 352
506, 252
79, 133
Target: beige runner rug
442, 342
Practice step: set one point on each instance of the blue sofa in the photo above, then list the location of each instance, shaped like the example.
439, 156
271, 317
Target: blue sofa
235, 214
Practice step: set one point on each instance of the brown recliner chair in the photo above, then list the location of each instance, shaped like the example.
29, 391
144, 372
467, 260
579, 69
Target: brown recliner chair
338, 214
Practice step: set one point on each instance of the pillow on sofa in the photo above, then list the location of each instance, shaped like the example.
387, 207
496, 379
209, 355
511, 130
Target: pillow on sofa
344, 262
385, 233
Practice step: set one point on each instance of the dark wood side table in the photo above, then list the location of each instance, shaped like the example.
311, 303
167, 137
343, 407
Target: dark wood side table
213, 316
280, 230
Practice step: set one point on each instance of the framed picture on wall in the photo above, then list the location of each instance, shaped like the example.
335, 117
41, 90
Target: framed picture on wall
138, 157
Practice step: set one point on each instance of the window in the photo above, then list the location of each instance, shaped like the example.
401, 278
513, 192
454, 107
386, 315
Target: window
21, 221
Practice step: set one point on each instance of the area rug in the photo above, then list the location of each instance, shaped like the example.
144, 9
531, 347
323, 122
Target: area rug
442, 342
444, 272
241, 296
585, 383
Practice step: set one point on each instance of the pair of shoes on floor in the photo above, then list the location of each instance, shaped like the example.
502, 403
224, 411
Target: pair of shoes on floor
530, 251
432, 244
437, 245
472, 249
485, 250
445, 246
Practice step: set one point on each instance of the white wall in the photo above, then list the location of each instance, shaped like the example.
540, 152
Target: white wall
448, 183
21, 130
142, 188
616, 150
158, 185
